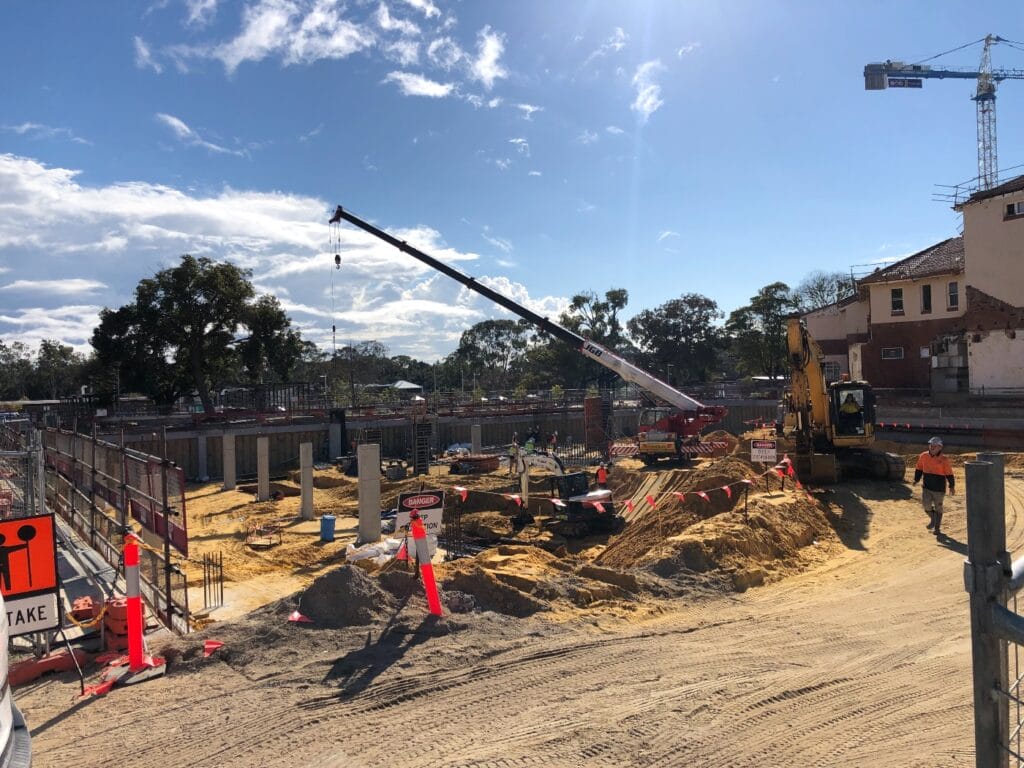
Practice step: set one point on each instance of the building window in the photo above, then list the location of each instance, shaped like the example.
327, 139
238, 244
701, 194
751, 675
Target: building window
892, 353
897, 300
954, 296
830, 369
926, 352
926, 299
1014, 210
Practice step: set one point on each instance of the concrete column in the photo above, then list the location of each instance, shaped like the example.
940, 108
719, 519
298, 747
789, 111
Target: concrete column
306, 473
334, 442
204, 474
262, 468
228, 442
475, 438
368, 457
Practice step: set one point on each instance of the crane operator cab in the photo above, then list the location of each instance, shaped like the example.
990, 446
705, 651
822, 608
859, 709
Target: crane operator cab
853, 409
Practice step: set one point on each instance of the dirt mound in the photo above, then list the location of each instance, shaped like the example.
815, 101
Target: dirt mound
343, 597
487, 526
648, 526
522, 580
753, 550
721, 436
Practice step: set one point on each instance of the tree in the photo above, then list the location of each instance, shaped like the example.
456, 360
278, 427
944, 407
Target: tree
180, 331
819, 289
492, 348
57, 370
15, 370
757, 332
681, 333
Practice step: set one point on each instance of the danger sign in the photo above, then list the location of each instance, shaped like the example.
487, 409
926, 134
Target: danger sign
765, 451
28, 573
429, 505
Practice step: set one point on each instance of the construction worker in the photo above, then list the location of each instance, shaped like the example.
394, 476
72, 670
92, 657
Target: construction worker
937, 472
602, 476
513, 453
850, 415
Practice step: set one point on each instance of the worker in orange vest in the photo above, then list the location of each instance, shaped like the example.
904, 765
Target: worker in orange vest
937, 472
602, 476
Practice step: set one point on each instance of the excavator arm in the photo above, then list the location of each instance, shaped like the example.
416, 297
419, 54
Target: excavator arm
808, 393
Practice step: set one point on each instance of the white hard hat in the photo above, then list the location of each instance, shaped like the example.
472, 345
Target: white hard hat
935, 441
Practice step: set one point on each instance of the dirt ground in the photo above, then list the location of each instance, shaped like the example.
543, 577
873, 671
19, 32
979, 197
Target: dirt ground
766, 626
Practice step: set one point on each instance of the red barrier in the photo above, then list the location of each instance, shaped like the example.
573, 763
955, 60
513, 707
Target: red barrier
419, 536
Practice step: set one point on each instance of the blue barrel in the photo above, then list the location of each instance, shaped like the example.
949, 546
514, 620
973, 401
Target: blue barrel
327, 528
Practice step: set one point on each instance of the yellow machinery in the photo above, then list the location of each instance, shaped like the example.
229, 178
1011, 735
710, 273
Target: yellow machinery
832, 424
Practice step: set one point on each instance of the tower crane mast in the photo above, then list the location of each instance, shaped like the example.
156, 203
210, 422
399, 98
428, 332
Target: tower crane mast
899, 74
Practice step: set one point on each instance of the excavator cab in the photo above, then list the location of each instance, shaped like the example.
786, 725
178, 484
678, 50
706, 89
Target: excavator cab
852, 412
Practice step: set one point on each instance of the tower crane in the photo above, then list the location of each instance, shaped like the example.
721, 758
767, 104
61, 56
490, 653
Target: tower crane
899, 74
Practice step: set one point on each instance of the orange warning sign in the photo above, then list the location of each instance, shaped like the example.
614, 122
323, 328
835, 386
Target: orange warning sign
28, 556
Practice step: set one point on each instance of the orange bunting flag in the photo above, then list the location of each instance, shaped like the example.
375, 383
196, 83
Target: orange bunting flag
703, 495
790, 471
514, 497
907, 426
798, 486
779, 472
558, 503
629, 505
747, 482
463, 492
650, 500
680, 496
598, 506
728, 491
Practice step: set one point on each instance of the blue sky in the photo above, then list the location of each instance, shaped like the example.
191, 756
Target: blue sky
548, 147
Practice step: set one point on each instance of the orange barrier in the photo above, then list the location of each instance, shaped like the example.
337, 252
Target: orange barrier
419, 536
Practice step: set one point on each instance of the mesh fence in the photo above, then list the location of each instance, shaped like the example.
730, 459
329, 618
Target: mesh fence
96, 486
20, 478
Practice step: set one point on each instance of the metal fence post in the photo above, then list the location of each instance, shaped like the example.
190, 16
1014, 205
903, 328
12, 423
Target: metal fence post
986, 583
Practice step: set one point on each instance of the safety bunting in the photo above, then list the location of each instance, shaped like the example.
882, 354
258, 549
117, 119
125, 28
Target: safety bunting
781, 470
894, 426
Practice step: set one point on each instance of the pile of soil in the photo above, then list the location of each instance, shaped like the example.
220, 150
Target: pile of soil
721, 436
520, 580
344, 597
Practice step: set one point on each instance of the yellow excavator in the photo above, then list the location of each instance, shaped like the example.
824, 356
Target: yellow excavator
833, 425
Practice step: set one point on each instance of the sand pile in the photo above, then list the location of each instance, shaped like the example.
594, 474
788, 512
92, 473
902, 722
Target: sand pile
521, 580
343, 597
648, 527
765, 546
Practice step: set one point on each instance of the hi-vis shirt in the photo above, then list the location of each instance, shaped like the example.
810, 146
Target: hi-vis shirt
937, 471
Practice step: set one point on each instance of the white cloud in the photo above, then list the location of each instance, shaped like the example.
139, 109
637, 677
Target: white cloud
405, 52
65, 287
585, 207
505, 263
587, 137
503, 163
425, 7
315, 132
648, 92
667, 234
534, 173
191, 138
688, 48
522, 145
500, 243
479, 102
40, 131
52, 223
528, 110
614, 130
200, 12
487, 66
445, 53
389, 24
144, 57
613, 44
280, 28
416, 85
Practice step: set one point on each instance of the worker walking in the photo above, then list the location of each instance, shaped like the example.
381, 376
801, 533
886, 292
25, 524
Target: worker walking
602, 476
937, 472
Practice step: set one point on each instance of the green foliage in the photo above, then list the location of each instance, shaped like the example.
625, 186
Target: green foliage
681, 333
180, 332
819, 289
492, 349
757, 332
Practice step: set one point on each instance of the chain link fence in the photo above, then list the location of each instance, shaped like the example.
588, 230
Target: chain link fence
21, 479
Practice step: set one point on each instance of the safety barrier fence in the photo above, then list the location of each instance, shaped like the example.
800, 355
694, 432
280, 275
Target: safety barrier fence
992, 580
21, 478
97, 487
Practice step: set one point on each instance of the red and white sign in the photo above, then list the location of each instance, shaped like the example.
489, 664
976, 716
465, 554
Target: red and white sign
429, 505
765, 451
28, 574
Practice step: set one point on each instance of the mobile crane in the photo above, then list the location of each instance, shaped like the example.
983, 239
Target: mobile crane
832, 424
661, 432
